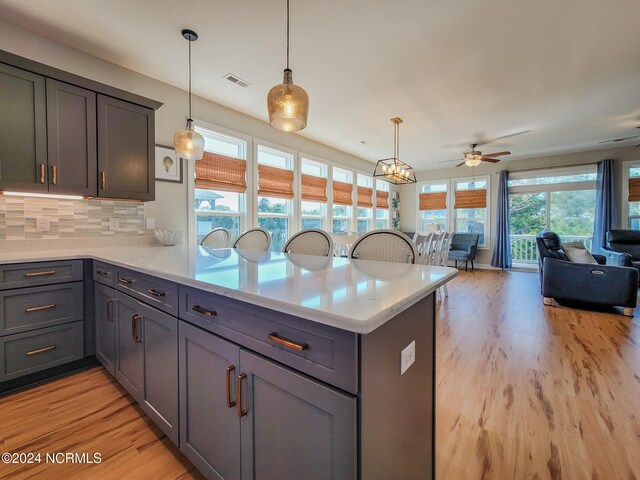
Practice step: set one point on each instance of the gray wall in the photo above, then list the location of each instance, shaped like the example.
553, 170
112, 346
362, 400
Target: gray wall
408, 193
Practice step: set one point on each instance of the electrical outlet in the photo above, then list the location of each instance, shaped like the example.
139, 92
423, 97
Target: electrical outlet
407, 357
114, 223
43, 224
151, 223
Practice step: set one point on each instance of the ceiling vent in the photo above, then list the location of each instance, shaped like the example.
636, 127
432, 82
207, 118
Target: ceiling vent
237, 80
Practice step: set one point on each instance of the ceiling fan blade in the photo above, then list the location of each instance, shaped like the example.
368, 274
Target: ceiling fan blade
449, 161
620, 139
460, 164
490, 160
492, 140
497, 154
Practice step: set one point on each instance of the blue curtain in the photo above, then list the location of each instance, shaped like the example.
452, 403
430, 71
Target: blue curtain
606, 209
502, 247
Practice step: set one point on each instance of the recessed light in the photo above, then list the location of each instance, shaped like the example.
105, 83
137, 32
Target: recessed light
365, 142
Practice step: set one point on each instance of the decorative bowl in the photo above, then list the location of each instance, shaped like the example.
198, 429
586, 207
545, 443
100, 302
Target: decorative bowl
168, 237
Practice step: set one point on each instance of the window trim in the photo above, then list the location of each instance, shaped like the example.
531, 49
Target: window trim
324, 218
487, 226
625, 218
354, 198
449, 208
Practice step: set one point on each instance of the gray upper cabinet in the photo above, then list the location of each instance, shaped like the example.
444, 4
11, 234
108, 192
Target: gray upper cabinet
71, 139
125, 150
23, 130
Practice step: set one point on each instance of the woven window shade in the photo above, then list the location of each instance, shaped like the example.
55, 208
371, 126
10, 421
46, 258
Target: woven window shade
342, 193
382, 199
634, 189
314, 188
433, 201
365, 197
471, 198
275, 182
219, 172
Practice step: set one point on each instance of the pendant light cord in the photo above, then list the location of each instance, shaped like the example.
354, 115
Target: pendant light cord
287, 34
189, 79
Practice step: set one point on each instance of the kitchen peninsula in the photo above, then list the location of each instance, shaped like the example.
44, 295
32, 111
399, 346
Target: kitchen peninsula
256, 364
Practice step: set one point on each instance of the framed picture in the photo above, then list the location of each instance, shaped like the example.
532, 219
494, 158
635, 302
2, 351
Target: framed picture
168, 165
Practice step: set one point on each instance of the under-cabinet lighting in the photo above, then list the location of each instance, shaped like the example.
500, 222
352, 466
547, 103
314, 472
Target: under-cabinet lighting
43, 195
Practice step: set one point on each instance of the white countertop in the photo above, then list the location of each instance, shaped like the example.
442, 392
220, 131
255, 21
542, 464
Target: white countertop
353, 295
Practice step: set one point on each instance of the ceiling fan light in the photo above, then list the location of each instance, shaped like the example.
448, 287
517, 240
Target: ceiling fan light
288, 105
188, 143
472, 160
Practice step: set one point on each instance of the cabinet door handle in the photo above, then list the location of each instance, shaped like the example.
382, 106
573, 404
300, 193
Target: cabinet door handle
230, 370
156, 293
203, 311
41, 350
110, 309
241, 412
102, 273
42, 167
40, 274
54, 175
41, 307
103, 180
134, 328
125, 281
285, 342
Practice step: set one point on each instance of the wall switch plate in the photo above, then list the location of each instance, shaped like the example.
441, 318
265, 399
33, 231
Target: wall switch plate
114, 223
43, 224
151, 223
407, 357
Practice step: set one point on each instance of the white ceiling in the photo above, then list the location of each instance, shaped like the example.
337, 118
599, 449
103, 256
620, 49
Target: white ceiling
568, 71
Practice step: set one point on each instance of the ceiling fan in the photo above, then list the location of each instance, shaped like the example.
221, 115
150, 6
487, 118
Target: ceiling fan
622, 139
474, 157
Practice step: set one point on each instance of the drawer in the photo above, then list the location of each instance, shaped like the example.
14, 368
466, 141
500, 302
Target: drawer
159, 293
103, 273
25, 353
324, 352
41, 273
26, 309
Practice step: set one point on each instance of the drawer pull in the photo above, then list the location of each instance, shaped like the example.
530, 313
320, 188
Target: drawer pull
41, 350
241, 411
230, 370
134, 328
156, 293
41, 307
40, 274
203, 311
125, 281
102, 273
274, 337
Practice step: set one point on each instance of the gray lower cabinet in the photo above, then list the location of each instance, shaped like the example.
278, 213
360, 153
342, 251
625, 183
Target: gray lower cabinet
105, 307
243, 416
23, 130
147, 359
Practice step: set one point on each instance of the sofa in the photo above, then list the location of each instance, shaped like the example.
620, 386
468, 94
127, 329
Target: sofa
623, 248
464, 247
585, 283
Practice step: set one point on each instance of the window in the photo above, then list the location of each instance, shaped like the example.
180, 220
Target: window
432, 205
275, 194
220, 184
471, 199
562, 200
313, 202
365, 203
382, 204
342, 200
633, 201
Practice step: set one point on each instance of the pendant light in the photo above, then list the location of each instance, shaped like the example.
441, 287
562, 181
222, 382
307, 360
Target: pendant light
288, 104
393, 170
188, 143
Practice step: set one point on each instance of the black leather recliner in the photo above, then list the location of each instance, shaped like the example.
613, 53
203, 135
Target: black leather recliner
623, 248
601, 284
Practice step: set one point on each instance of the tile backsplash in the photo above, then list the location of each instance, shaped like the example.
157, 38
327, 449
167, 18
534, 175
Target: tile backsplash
68, 218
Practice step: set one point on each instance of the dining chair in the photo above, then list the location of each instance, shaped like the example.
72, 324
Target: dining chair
342, 243
384, 245
443, 255
217, 238
310, 242
423, 245
254, 239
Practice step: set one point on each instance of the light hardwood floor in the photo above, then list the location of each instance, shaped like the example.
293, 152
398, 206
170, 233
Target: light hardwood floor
523, 392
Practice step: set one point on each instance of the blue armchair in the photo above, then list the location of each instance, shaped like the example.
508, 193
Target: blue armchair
464, 247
